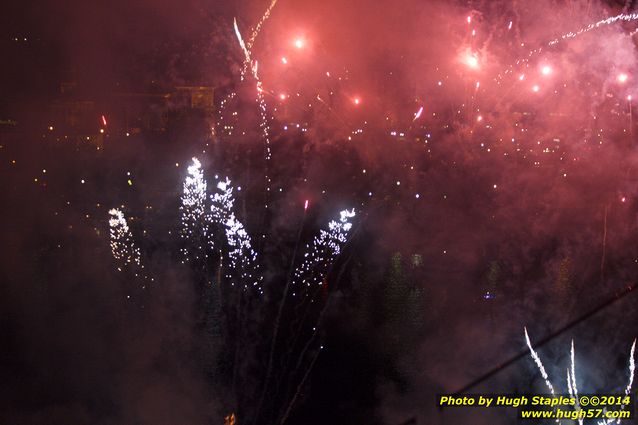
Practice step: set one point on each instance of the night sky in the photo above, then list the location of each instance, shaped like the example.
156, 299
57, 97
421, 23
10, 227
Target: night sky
488, 150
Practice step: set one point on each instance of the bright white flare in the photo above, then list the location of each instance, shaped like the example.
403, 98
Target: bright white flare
472, 61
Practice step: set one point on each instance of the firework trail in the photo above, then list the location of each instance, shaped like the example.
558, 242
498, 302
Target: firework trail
571, 382
632, 368
632, 371
247, 59
539, 363
325, 248
571, 377
260, 98
261, 22
193, 211
623, 17
573, 385
242, 257
124, 250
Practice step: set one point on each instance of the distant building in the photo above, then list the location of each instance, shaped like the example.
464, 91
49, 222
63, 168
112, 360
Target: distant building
88, 121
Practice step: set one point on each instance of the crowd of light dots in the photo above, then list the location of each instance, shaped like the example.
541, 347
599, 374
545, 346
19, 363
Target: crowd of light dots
571, 376
241, 255
122, 246
193, 210
325, 248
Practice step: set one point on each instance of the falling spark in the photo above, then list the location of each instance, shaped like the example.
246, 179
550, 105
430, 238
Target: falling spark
418, 113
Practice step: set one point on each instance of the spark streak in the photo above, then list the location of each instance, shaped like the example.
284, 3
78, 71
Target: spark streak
571, 377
